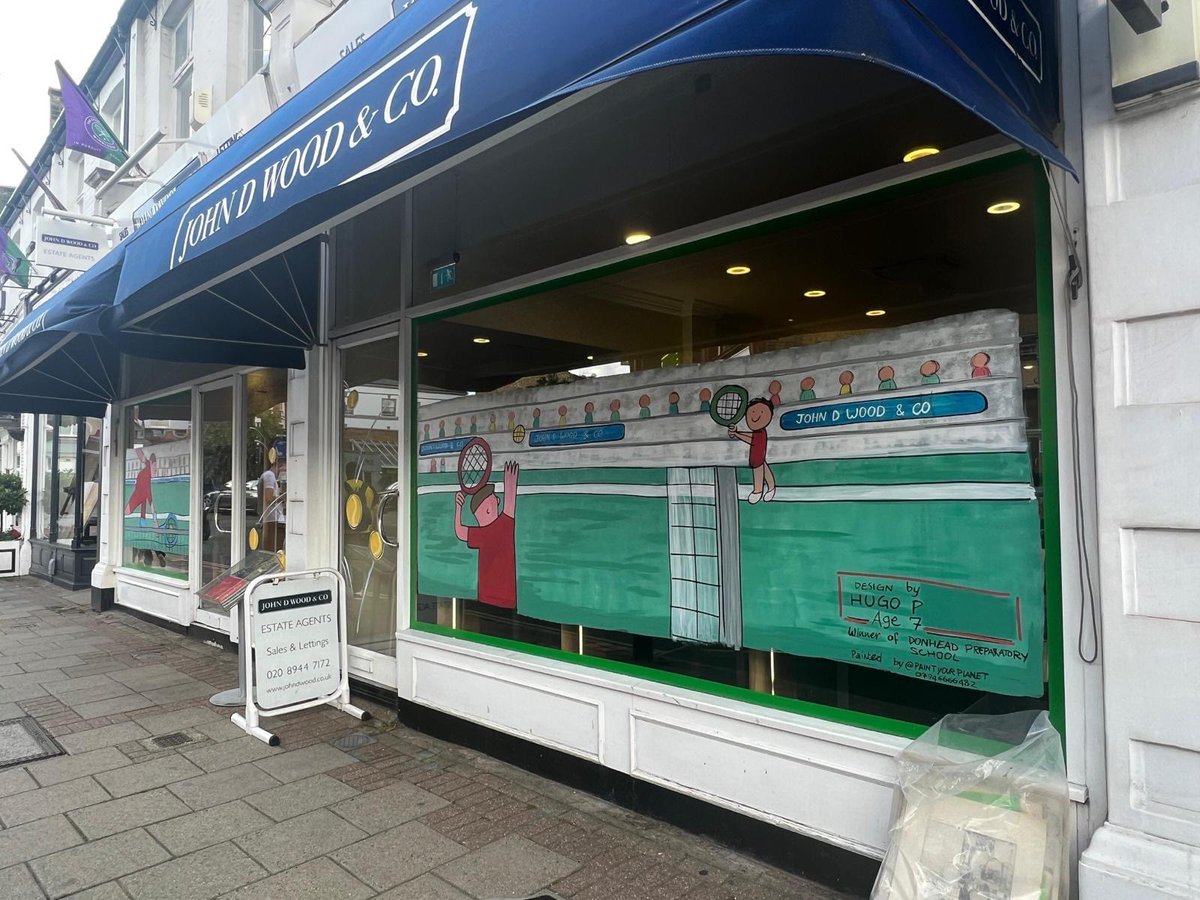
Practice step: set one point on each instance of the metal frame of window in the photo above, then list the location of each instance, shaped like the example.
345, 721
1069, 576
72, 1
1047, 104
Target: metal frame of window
55, 421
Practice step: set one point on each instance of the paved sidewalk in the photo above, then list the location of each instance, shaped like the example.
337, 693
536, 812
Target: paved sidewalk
342, 809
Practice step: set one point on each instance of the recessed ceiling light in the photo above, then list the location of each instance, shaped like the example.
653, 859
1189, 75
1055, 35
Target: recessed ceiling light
637, 237
816, 292
738, 270
1027, 366
920, 153
791, 320
421, 354
590, 356
1003, 207
876, 312
482, 340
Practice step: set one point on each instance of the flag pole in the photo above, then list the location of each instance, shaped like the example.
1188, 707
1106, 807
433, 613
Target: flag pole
45, 188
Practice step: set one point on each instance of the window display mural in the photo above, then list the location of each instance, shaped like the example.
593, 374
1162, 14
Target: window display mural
839, 500
158, 463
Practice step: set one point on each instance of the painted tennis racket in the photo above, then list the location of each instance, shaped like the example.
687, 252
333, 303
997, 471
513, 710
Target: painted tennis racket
728, 405
474, 465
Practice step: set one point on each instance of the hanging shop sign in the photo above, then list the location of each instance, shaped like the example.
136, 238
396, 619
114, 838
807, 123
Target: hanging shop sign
295, 624
839, 500
63, 244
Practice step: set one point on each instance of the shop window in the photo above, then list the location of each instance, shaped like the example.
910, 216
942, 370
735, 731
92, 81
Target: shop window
266, 460
370, 492
662, 151
259, 37
592, 475
367, 265
181, 69
67, 480
157, 438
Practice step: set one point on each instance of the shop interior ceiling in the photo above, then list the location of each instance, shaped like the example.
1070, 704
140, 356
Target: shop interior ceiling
689, 144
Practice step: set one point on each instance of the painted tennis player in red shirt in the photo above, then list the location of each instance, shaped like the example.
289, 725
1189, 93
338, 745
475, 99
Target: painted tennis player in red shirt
759, 413
143, 490
495, 537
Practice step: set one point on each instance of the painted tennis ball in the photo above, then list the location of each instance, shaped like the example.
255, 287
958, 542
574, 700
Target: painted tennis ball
352, 400
252, 539
375, 542
354, 510
272, 455
369, 493
519, 434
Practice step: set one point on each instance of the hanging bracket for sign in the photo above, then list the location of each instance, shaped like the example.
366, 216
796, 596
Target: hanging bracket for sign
295, 626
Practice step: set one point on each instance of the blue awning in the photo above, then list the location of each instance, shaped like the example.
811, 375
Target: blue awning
56, 360
436, 79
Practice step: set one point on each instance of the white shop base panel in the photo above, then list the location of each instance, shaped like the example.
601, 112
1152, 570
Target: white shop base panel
825, 780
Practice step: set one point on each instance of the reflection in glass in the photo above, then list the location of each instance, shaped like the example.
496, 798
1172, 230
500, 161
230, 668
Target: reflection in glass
216, 436
45, 477
89, 497
265, 525
158, 475
68, 445
370, 467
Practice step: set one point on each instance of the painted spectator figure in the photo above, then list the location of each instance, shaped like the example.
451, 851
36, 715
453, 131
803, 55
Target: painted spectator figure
537, 418
614, 411
458, 426
773, 390
705, 399
887, 378
979, 365
673, 403
562, 415
846, 379
442, 428
474, 425
644, 403
807, 385
589, 410
929, 372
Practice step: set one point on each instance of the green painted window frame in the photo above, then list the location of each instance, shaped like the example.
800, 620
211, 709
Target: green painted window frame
1043, 260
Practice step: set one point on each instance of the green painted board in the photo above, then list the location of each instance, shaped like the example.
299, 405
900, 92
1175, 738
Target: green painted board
946, 591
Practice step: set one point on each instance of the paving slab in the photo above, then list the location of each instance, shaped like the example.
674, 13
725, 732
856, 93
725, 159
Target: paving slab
189, 690
22, 692
510, 867
297, 764
16, 781
68, 768
294, 799
104, 736
212, 757
148, 775
398, 855
388, 807
147, 678
50, 801
201, 875
221, 787
207, 827
83, 690
96, 709
427, 887
110, 890
133, 811
88, 865
299, 840
56, 662
223, 730
40, 837
165, 723
319, 879
16, 883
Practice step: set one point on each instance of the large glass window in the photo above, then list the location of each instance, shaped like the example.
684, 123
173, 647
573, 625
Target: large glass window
67, 495
43, 523
266, 460
158, 474
662, 151
778, 463
370, 490
67, 480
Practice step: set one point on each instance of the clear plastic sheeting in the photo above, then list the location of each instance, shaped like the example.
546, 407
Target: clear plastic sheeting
981, 813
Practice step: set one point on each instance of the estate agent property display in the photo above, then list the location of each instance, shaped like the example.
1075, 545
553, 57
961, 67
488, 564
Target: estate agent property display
840, 500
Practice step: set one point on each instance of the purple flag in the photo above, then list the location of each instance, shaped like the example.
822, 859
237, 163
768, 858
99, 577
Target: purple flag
86, 130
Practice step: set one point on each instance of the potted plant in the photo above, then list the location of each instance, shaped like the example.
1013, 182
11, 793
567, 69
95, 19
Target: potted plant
13, 498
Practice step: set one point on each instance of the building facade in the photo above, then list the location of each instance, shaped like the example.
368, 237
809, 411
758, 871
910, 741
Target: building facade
666, 422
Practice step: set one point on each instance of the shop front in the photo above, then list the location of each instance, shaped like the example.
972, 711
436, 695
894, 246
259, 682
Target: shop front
682, 407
